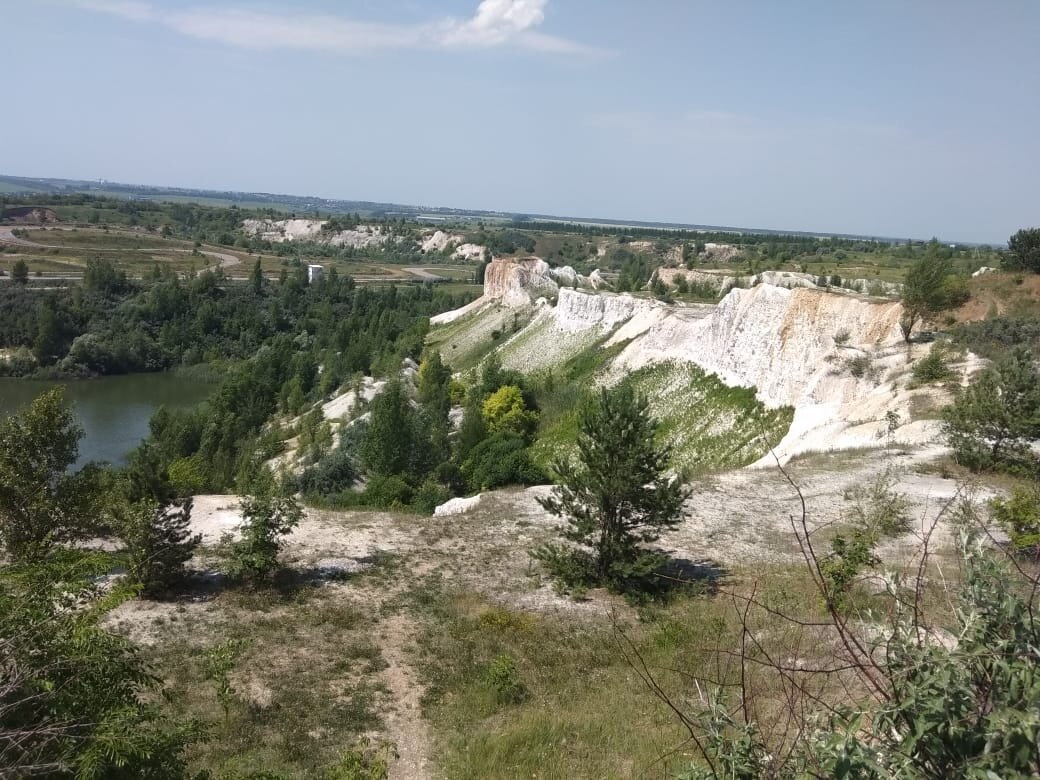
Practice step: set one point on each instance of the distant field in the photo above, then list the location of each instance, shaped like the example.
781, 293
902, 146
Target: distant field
103, 239
8, 187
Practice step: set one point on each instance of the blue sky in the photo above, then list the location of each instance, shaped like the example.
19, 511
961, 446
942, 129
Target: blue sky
886, 118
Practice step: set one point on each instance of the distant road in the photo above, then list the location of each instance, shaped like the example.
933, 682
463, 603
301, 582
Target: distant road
7, 236
426, 276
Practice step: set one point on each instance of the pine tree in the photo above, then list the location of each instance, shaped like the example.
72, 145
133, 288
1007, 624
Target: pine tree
159, 542
617, 496
993, 421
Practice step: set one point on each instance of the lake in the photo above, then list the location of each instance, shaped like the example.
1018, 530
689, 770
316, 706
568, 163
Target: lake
114, 411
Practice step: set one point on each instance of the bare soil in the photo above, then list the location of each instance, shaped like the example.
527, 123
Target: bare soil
734, 521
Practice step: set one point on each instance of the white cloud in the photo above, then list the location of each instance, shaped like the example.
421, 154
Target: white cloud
495, 23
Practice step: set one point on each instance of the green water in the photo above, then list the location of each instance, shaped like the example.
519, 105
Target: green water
113, 411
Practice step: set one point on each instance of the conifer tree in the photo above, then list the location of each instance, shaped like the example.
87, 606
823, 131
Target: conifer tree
159, 542
616, 498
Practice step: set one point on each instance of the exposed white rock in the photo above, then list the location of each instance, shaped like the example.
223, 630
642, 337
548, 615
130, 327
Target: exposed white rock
341, 405
470, 252
438, 241
567, 276
457, 506
984, 270
279, 231
780, 341
576, 310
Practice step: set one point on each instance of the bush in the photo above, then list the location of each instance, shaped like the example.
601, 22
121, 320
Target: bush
501, 459
333, 474
933, 367
391, 492
159, 542
1019, 516
859, 366
429, 496
503, 679
266, 518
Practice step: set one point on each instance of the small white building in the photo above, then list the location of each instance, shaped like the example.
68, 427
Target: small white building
314, 273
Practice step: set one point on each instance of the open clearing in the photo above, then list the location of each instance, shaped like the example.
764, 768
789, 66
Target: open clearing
390, 619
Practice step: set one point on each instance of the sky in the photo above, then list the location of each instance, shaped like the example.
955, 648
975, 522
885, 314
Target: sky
911, 118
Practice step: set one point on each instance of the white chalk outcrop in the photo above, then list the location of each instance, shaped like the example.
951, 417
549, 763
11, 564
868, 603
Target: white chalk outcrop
438, 241
456, 506
470, 252
516, 283
279, 231
794, 346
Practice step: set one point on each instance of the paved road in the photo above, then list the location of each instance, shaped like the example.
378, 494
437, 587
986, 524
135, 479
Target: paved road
7, 236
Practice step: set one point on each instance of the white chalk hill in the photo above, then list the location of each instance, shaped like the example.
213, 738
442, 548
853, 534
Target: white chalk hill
838, 359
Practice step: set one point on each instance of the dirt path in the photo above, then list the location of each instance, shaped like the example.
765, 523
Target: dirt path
737, 523
426, 275
405, 722
224, 259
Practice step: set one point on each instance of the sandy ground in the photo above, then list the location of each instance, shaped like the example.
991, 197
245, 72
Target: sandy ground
735, 522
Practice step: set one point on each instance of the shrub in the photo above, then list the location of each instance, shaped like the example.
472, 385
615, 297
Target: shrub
503, 679
333, 474
933, 367
429, 496
841, 338
859, 366
266, 518
501, 459
392, 492
1019, 516
504, 410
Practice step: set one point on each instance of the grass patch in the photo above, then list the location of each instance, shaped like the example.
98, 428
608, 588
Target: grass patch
709, 424
304, 684
567, 703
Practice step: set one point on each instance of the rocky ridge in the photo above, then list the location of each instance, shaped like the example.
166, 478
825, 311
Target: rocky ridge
839, 360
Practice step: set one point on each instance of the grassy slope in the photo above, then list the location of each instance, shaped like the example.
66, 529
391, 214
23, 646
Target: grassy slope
586, 713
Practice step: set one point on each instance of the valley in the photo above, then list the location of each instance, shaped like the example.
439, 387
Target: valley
411, 412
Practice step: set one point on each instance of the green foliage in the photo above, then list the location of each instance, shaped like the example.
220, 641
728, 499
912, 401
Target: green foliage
429, 495
20, 272
187, 476
733, 750
925, 287
266, 517
219, 662
395, 443
76, 699
618, 496
850, 554
963, 708
1019, 516
502, 677
362, 762
992, 421
933, 367
335, 473
504, 411
42, 504
993, 336
158, 543
1023, 251
501, 459
391, 492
